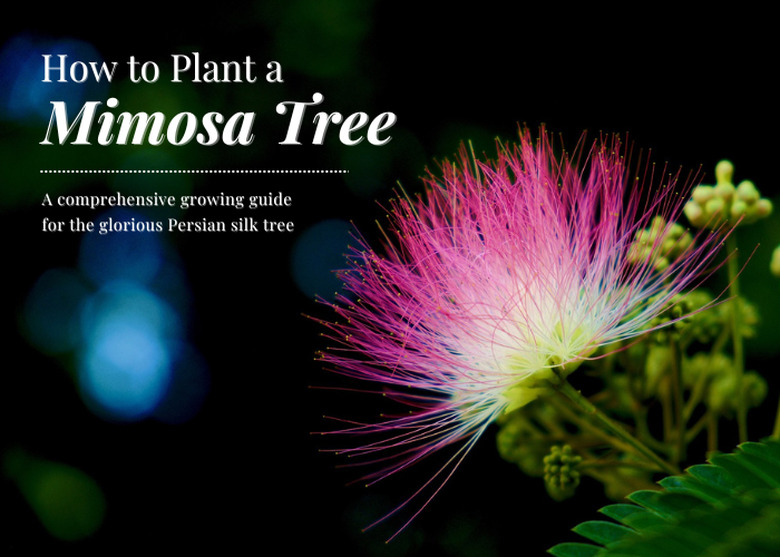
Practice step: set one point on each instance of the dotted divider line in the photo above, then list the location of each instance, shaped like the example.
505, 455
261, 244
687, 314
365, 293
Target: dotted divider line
206, 171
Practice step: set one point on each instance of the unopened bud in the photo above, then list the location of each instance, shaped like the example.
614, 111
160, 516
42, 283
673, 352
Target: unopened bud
746, 191
702, 194
755, 388
724, 171
738, 209
715, 205
561, 476
762, 208
695, 213
774, 265
725, 190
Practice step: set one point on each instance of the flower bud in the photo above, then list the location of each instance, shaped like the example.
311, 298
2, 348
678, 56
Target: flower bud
722, 393
702, 194
712, 205
518, 442
746, 191
755, 388
695, 214
774, 265
763, 208
705, 364
715, 205
738, 209
722, 396
724, 171
725, 191
561, 476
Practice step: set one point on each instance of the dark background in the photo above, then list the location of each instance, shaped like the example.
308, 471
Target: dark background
245, 473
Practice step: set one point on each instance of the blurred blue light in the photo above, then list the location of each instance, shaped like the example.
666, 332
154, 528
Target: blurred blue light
132, 303
125, 369
125, 327
24, 94
130, 256
50, 313
317, 254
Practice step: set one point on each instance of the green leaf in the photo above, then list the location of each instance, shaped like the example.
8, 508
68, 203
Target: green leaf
665, 503
574, 550
770, 451
728, 508
693, 487
620, 511
767, 470
633, 516
740, 470
603, 532
714, 477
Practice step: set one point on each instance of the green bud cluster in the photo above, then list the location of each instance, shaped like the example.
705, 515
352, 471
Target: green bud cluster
704, 365
660, 244
722, 394
712, 206
682, 310
686, 369
561, 476
748, 316
702, 326
519, 441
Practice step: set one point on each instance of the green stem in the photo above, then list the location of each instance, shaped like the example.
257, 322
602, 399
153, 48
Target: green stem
629, 483
665, 396
602, 464
614, 427
696, 428
712, 431
646, 437
697, 394
776, 430
736, 332
565, 409
677, 384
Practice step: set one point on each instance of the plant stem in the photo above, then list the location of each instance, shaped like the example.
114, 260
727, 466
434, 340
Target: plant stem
613, 427
665, 396
677, 389
644, 435
712, 431
736, 334
696, 428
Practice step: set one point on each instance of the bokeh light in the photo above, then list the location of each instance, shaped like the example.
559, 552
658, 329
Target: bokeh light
50, 313
320, 39
66, 500
23, 93
125, 369
135, 257
123, 317
318, 253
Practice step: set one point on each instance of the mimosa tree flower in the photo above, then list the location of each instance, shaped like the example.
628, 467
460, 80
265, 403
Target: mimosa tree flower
498, 282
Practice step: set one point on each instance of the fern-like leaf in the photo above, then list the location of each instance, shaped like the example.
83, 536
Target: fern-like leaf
727, 508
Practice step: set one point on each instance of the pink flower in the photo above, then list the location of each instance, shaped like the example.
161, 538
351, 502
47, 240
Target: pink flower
497, 283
